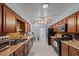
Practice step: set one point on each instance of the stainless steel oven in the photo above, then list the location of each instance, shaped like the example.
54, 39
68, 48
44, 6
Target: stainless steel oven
4, 42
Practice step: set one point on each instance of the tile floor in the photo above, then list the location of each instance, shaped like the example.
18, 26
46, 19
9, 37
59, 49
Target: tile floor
41, 48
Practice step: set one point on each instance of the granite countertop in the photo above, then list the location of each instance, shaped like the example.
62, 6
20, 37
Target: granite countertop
72, 43
12, 48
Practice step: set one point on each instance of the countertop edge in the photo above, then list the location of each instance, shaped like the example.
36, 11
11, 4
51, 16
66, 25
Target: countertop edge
19, 45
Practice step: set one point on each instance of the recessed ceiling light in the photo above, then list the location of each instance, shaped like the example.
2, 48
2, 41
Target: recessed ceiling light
45, 5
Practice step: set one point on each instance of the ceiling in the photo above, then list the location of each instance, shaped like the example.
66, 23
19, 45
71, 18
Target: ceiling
33, 11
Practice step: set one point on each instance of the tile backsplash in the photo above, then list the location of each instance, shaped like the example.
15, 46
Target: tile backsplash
58, 35
17, 35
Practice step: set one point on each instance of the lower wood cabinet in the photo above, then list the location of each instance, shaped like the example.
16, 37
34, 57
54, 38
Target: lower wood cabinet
20, 51
73, 51
26, 50
67, 50
64, 49
11, 54
23, 50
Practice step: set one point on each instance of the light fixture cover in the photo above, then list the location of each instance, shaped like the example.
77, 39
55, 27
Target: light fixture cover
45, 5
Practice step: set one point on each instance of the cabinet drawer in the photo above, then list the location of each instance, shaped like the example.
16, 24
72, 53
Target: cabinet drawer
19, 50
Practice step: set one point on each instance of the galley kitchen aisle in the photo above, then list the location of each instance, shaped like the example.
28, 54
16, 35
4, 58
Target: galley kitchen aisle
41, 47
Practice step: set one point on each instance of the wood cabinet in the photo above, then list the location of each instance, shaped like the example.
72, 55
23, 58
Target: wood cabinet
20, 51
67, 50
77, 21
11, 54
26, 27
71, 21
9, 21
26, 49
73, 51
64, 49
0, 18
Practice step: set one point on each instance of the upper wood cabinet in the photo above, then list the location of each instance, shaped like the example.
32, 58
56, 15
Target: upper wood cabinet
0, 18
77, 21
9, 24
71, 21
8, 21
26, 27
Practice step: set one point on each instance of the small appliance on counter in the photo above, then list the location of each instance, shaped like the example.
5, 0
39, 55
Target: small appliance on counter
67, 37
4, 42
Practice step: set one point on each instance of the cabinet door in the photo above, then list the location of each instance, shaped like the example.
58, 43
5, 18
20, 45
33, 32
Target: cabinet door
0, 18
19, 51
73, 51
71, 21
64, 50
11, 54
26, 27
77, 21
9, 21
26, 49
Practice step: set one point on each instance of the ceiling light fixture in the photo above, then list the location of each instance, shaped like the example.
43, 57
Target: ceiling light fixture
45, 5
